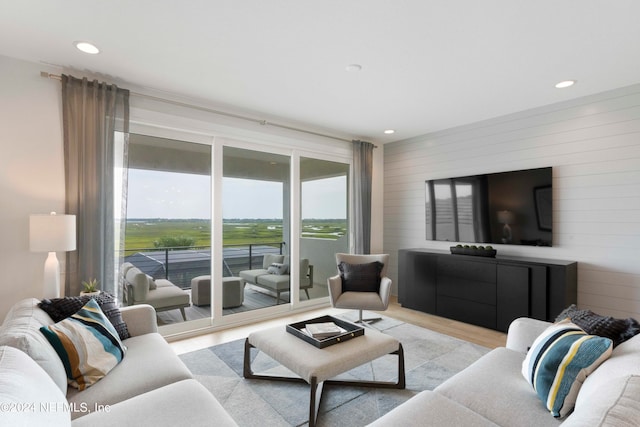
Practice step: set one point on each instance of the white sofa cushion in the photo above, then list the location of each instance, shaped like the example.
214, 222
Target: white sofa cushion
434, 410
21, 329
493, 387
187, 403
28, 395
149, 364
617, 405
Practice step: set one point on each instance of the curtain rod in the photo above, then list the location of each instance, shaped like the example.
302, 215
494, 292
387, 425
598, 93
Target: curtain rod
218, 112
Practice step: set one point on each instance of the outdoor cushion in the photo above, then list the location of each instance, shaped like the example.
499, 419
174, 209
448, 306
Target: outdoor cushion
274, 281
166, 295
269, 259
277, 268
152, 283
251, 276
140, 283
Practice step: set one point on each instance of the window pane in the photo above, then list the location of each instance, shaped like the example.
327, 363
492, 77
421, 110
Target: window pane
445, 227
168, 229
256, 224
324, 223
466, 220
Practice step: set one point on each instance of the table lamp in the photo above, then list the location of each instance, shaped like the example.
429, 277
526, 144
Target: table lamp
51, 233
506, 218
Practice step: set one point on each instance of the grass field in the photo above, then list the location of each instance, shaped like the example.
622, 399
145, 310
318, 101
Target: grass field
142, 233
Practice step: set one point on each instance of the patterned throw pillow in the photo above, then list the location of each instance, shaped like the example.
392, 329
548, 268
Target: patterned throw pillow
360, 277
559, 361
61, 308
87, 344
619, 330
277, 268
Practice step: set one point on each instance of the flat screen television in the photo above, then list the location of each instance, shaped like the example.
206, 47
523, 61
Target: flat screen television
507, 208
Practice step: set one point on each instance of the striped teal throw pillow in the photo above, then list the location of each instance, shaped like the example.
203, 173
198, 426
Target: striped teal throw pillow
559, 361
87, 343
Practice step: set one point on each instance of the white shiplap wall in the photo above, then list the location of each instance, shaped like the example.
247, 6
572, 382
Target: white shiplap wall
593, 145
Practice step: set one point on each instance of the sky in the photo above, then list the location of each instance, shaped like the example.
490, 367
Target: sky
155, 194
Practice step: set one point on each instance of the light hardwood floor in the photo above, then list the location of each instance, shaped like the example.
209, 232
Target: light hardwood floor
486, 337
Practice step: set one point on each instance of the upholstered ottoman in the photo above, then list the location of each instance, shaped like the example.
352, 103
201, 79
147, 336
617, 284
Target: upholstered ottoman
232, 291
318, 367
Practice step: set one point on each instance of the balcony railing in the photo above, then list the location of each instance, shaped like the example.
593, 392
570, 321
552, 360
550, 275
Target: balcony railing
181, 264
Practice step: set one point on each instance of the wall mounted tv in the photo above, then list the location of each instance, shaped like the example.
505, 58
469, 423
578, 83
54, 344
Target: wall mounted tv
507, 208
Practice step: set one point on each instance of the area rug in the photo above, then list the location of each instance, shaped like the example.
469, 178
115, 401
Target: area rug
430, 359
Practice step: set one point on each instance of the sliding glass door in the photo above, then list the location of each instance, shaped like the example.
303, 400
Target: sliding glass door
324, 222
168, 224
256, 229
232, 228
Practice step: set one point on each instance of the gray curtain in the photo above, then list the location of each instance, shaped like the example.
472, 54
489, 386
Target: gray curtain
92, 113
362, 173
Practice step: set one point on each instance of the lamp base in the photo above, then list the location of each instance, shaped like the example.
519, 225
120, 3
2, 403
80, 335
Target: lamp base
51, 277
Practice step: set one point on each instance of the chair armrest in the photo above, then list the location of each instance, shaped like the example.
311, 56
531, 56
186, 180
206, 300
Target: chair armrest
335, 287
385, 291
523, 332
140, 319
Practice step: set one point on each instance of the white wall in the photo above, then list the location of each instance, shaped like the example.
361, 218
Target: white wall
31, 172
593, 144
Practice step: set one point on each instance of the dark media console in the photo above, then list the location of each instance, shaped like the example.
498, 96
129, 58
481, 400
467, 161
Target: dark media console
489, 292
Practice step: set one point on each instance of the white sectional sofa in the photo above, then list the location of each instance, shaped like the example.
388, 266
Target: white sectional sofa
150, 386
493, 391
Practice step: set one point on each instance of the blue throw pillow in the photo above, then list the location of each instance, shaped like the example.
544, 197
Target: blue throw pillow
559, 361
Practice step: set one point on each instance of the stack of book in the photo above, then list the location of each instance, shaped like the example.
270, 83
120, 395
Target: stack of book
323, 330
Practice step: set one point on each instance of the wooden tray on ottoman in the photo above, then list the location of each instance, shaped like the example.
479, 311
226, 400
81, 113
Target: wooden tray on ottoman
352, 331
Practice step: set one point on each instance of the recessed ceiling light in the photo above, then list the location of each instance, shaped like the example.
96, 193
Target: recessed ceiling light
353, 67
389, 131
565, 83
87, 47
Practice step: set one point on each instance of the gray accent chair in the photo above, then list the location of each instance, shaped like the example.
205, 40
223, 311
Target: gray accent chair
378, 301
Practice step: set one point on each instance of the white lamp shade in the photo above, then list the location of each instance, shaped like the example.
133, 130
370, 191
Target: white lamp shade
51, 233
506, 217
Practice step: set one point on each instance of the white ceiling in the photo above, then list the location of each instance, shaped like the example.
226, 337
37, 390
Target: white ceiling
427, 65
